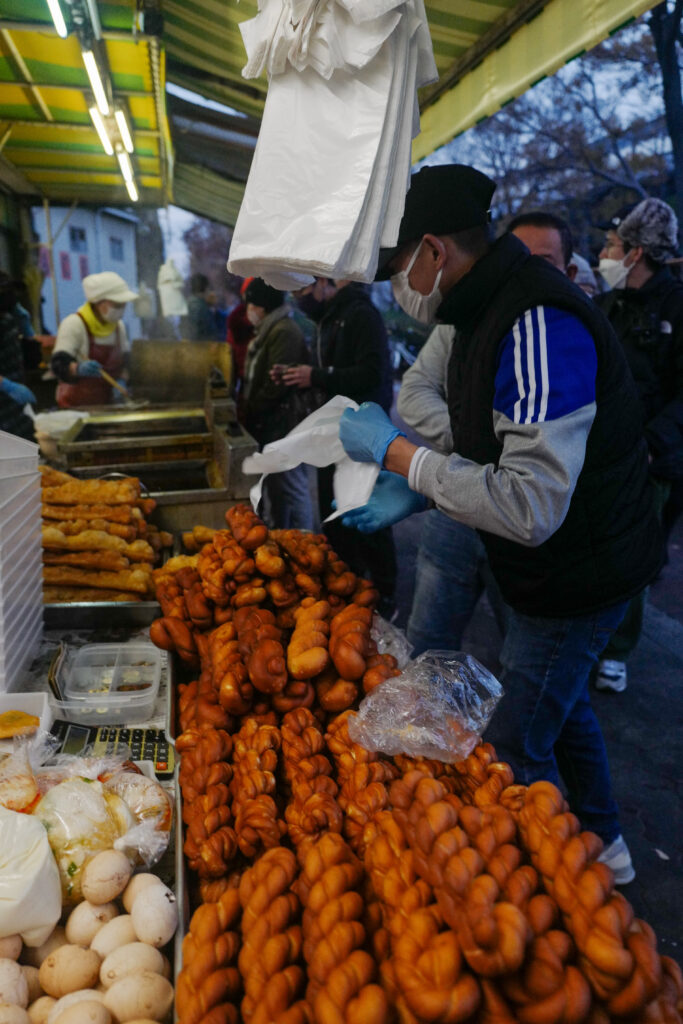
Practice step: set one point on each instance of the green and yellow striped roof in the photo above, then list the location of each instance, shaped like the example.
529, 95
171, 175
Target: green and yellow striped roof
487, 52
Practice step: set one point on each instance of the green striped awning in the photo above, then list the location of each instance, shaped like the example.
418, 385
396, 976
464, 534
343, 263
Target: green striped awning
487, 52
47, 136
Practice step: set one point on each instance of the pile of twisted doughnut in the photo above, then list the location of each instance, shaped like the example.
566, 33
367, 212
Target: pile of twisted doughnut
338, 886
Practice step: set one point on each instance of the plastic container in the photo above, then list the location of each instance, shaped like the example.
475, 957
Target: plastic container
105, 684
17, 456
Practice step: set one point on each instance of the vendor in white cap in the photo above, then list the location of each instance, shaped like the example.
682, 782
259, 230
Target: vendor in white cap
90, 340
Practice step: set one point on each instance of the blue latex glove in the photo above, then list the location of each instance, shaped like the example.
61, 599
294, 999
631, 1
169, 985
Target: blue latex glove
19, 393
366, 433
391, 500
89, 368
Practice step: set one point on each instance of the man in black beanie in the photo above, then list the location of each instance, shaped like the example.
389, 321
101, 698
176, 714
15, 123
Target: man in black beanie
549, 464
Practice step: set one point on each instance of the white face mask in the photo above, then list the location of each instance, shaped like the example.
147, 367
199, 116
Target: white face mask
420, 307
114, 314
613, 272
253, 317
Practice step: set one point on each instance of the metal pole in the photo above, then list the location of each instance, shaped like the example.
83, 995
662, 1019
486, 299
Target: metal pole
50, 258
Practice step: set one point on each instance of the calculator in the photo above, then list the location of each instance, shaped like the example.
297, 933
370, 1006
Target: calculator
144, 744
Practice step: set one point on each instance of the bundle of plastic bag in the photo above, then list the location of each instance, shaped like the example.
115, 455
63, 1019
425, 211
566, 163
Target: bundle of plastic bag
437, 708
332, 163
30, 894
315, 441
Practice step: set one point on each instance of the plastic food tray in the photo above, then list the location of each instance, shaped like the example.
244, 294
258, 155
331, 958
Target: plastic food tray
21, 651
109, 683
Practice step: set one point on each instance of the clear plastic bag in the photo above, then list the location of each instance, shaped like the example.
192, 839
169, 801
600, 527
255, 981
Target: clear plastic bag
391, 640
437, 708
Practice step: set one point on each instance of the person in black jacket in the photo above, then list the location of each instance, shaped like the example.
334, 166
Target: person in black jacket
645, 308
549, 463
350, 357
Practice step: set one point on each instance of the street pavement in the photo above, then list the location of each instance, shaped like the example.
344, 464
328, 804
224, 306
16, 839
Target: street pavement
642, 727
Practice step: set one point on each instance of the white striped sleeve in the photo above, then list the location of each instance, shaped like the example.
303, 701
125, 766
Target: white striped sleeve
547, 367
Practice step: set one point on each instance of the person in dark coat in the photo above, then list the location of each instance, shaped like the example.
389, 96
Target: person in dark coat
14, 394
645, 308
268, 410
350, 357
549, 463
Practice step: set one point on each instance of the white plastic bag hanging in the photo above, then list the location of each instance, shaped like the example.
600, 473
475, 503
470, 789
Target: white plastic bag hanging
315, 441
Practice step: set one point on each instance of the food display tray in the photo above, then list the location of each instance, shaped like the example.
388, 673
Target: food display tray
99, 614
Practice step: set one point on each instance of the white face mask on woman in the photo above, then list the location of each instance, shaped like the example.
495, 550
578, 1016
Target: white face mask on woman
613, 272
420, 307
114, 314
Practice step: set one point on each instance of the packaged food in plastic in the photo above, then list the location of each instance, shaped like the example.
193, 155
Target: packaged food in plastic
18, 787
437, 708
30, 893
152, 810
81, 819
391, 640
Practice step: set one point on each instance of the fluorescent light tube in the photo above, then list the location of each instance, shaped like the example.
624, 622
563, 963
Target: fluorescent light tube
95, 81
58, 18
132, 190
125, 165
124, 130
101, 131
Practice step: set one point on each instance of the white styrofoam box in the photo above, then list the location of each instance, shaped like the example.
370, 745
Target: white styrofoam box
13, 642
30, 600
29, 566
15, 494
33, 703
17, 456
22, 527
22, 653
20, 597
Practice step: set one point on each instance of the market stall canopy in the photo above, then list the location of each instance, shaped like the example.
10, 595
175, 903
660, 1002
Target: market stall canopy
61, 137
487, 52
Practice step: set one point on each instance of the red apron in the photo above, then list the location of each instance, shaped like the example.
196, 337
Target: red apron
93, 390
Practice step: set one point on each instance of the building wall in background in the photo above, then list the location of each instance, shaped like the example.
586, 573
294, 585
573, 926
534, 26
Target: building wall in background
91, 241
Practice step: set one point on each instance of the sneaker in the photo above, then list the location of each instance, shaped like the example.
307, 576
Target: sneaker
617, 857
611, 676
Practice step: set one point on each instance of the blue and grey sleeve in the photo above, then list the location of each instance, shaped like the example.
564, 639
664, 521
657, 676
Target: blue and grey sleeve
543, 410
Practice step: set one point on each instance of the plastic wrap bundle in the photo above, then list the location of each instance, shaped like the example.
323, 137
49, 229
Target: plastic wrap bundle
437, 708
343, 81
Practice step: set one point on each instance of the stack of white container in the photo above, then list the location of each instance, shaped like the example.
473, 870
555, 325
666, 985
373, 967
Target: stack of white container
21, 582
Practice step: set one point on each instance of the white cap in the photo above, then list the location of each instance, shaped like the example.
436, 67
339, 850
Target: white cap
107, 285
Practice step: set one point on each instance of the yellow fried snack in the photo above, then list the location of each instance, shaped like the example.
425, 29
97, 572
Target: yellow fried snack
89, 492
17, 723
67, 575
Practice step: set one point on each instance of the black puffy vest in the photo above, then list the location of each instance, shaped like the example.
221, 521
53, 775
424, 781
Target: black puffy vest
608, 548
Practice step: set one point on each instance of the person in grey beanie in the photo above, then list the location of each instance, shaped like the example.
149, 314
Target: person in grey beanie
645, 308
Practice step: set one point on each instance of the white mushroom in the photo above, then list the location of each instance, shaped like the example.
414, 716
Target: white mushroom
118, 932
135, 887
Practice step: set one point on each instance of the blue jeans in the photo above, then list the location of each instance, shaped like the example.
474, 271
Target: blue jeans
451, 574
287, 503
544, 725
